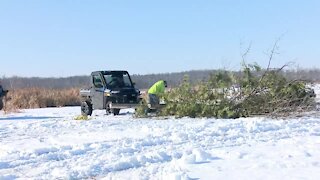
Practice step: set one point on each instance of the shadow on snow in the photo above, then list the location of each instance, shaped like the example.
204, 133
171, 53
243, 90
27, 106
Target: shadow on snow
28, 118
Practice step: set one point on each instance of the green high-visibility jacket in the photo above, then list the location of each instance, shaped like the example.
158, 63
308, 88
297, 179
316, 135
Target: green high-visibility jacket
157, 88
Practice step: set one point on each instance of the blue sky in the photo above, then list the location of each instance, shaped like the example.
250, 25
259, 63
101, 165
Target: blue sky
66, 37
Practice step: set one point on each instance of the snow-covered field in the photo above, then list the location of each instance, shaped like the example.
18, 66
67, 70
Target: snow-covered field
49, 144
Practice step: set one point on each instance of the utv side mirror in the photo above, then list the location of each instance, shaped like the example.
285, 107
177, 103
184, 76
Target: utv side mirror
133, 83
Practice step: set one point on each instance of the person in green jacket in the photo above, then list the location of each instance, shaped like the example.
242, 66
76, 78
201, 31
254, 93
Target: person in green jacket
154, 91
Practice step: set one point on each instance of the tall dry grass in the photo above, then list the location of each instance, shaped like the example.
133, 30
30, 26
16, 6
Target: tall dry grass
40, 98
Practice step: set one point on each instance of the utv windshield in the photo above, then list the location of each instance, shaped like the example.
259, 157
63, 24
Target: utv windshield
117, 80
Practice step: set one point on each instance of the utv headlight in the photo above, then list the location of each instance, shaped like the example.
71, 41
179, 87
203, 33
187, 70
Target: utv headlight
107, 93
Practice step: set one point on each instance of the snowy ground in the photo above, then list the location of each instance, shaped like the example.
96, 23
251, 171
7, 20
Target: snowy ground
50, 144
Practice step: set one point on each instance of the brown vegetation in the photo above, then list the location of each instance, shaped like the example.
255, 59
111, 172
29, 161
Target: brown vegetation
40, 98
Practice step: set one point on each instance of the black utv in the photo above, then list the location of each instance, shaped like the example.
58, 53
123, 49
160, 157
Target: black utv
110, 90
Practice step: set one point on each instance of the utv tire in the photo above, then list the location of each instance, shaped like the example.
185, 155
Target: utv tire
108, 109
115, 111
86, 108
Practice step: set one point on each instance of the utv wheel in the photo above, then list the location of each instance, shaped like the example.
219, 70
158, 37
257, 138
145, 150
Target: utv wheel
115, 111
86, 108
108, 109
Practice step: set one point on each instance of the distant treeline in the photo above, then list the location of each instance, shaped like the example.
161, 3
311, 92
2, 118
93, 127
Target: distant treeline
142, 81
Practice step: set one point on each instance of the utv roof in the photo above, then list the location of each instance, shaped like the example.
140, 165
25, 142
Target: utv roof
110, 71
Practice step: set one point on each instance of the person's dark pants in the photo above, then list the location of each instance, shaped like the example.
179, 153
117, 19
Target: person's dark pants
152, 101
1, 103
